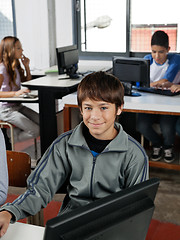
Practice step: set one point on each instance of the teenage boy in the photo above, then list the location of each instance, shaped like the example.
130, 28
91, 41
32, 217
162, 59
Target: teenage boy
163, 68
97, 157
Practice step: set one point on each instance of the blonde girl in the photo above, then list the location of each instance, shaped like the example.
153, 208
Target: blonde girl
11, 76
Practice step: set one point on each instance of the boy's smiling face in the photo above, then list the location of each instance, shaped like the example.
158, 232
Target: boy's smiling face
99, 117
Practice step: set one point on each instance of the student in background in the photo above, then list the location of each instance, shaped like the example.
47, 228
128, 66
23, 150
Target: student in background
163, 69
3, 170
163, 65
11, 76
97, 158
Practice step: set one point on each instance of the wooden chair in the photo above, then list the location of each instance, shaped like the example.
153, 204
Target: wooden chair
19, 168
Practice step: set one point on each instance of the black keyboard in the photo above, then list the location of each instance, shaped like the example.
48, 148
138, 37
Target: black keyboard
165, 92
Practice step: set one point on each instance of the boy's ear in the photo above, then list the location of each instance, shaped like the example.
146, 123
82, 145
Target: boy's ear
119, 110
169, 49
80, 109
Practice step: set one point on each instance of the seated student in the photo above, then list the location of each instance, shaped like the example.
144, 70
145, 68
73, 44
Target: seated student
98, 158
3, 170
163, 68
11, 75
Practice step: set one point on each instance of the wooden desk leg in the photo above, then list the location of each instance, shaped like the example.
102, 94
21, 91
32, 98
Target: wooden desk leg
67, 118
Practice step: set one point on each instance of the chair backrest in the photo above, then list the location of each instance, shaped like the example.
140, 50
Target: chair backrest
19, 168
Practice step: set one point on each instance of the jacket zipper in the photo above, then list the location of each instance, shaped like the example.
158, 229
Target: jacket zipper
92, 174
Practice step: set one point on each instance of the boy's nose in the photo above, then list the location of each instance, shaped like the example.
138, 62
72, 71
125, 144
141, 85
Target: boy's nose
157, 55
95, 114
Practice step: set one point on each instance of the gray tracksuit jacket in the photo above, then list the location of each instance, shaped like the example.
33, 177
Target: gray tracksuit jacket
122, 164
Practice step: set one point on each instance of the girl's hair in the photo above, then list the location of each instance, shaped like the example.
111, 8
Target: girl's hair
7, 56
101, 86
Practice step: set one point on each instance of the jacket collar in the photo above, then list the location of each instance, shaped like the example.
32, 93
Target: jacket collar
119, 143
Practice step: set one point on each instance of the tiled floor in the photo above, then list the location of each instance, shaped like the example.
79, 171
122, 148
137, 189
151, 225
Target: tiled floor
167, 200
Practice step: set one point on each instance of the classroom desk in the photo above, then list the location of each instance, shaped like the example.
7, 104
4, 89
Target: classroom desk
49, 89
146, 103
20, 100
21, 231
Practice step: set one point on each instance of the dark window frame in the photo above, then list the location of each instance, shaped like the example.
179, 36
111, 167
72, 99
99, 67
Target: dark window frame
14, 17
102, 55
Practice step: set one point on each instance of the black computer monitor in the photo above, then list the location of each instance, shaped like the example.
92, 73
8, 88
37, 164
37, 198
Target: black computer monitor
67, 60
132, 72
122, 215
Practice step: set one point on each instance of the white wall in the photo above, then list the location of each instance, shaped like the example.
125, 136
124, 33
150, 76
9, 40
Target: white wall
31, 25
64, 33
33, 32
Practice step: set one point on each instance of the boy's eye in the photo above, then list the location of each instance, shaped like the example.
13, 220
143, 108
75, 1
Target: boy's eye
87, 108
103, 108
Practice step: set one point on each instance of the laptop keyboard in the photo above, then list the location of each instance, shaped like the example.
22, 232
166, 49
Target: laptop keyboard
165, 92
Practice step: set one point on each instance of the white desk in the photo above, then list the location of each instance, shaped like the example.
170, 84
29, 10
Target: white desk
51, 81
146, 103
20, 99
22, 231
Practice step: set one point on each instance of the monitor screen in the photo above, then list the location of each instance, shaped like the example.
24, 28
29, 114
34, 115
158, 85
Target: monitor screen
132, 70
122, 215
67, 60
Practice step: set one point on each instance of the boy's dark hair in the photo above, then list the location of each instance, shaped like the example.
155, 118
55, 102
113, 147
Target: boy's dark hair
160, 38
101, 86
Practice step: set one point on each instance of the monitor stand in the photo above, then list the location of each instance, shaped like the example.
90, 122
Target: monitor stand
74, 76
66, 77
128, 90
135, 94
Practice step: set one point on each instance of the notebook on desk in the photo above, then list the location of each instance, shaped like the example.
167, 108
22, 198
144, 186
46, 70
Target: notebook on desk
166, 92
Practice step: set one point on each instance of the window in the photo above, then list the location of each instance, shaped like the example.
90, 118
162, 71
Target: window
6, 19
103, 26
125, 27
150, 16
